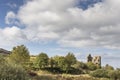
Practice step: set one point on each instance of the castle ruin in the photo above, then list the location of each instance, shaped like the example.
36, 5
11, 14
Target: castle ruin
96, 59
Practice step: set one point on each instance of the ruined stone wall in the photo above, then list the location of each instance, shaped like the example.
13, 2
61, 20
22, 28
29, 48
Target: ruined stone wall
97, 60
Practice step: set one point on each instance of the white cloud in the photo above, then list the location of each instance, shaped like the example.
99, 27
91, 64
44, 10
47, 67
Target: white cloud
11, 36
10, 17
68, 25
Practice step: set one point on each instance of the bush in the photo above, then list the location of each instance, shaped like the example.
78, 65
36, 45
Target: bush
80, 65
100, 73
91, 66
114, 74
12, 72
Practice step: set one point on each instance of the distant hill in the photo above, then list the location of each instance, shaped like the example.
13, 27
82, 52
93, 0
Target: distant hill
4, 52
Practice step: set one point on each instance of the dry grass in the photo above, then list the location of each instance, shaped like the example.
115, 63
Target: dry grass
64, 77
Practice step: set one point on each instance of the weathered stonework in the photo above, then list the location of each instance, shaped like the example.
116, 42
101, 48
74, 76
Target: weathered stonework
96, 59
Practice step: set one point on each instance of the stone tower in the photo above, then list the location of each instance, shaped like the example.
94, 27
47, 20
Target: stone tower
97, 60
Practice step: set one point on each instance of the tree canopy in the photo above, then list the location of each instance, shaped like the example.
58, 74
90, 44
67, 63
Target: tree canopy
71, 59
42, 60
20, 55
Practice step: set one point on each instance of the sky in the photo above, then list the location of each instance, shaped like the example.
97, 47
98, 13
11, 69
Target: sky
57, 27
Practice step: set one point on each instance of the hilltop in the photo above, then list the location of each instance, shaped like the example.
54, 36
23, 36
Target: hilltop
4, 52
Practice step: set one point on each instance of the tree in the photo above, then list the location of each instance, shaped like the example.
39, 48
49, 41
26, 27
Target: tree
80, 65
108, 67
10, 71
71, 59
66, 62
51, 62
62, 63
42, 60
56, 60
20, 55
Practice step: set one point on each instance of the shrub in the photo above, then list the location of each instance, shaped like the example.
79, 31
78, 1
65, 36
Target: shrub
12, 72
91, 66
114, 74
100, 73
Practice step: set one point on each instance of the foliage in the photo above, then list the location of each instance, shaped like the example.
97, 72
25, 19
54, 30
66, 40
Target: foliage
56, 60
20, 55
71, 59
51, 62
57, 64
80, 65
65, 63
108, 67
10, 71
114, 74
62, 63
91, 66
42, 60
2, 59
101, 73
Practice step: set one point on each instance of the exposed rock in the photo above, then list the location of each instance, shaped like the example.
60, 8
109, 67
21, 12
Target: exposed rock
4, 52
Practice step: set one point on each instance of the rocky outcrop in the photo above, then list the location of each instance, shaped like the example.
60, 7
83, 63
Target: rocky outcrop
4, 52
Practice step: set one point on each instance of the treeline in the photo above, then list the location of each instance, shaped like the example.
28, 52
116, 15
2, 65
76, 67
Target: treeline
23, 66
62, 64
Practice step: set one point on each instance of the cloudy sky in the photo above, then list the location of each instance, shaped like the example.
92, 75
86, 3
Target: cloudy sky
57, 27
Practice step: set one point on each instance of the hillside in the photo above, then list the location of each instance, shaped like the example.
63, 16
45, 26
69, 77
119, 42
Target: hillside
4, 52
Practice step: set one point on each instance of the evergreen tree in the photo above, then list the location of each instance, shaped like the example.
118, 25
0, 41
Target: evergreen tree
71, 59
20, 55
